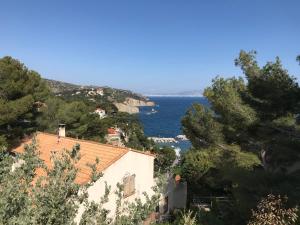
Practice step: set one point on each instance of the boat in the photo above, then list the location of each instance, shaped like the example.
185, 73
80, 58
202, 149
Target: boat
151, 112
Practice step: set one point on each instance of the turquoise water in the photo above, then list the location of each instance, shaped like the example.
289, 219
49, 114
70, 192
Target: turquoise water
166, 119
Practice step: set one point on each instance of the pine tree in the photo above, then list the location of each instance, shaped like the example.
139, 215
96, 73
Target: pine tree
20, 89
247, 146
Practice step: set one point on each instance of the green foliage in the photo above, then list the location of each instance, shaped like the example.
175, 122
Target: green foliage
3, 142
249, 145
200, 127
16, 186
133, 130
225, 98
82, 123
26, 105
187, 218
53, 197
273, 90
197, 164
165, 157
209, 218
20, 88
79, 121
48, 120
133, 213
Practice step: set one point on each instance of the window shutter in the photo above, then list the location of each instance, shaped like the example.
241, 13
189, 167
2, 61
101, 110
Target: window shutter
129, 186
126, 187
132, 184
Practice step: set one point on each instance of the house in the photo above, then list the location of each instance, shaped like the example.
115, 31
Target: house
100, 91
134, 169
174, 198
114, 136
176, 193
100, 112
91, 93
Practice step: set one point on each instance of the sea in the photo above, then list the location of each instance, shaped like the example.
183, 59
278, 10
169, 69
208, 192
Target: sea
164, 120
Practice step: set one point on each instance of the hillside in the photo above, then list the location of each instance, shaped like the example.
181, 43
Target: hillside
60, 86
123, 100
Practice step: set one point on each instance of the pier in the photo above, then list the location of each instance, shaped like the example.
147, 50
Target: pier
163, 140
169, 139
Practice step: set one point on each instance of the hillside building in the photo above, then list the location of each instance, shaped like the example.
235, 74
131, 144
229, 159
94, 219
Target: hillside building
134, 169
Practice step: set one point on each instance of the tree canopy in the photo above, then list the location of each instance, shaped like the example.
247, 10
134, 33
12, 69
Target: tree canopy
20, 89
28, 105
247, 143
54, 197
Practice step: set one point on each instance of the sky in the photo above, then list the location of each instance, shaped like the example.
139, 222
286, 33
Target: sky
148, 46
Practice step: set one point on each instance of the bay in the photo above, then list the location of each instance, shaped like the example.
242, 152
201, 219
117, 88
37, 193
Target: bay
164, 120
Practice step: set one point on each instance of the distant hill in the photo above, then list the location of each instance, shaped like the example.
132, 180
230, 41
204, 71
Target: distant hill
117, 95
178, 94
105, 97
191, 93
60, 86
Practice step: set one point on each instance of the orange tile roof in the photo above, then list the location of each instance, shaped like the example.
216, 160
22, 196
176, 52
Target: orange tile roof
111, 131
89, 151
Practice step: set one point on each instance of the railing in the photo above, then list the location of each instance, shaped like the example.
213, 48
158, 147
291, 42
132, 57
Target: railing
207, 201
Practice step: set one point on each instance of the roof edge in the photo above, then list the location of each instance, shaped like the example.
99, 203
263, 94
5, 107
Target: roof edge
94, 142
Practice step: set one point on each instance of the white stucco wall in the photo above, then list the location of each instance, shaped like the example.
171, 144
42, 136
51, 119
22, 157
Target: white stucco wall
131, 163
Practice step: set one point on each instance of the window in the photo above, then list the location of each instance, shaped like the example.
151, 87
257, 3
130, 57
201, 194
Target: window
129, 186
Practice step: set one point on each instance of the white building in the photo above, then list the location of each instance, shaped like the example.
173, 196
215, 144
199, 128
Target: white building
175, 196
100, 112
134, 169
100, 91
91, 93
115, 135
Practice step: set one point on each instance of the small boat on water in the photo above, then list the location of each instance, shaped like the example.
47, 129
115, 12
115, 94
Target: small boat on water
151, 112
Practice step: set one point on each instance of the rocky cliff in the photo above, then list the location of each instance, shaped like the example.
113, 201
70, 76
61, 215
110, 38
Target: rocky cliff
131, 105
138, 103
124, 100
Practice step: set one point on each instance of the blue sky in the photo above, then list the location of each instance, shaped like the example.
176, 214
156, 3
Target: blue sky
153, 46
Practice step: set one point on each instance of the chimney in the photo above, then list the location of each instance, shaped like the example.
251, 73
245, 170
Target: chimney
62, 130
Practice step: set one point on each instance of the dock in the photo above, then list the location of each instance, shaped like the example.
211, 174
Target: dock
163, 140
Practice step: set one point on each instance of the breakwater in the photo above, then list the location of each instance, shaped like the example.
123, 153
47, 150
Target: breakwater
169, 139
163, 140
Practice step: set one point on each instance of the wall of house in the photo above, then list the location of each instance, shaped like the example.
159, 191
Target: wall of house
177, 195
131, 163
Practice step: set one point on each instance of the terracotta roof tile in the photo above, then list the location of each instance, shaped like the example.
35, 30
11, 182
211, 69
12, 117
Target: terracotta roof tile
89, 151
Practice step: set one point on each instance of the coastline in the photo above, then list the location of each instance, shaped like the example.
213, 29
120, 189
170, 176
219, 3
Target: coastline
166, 121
